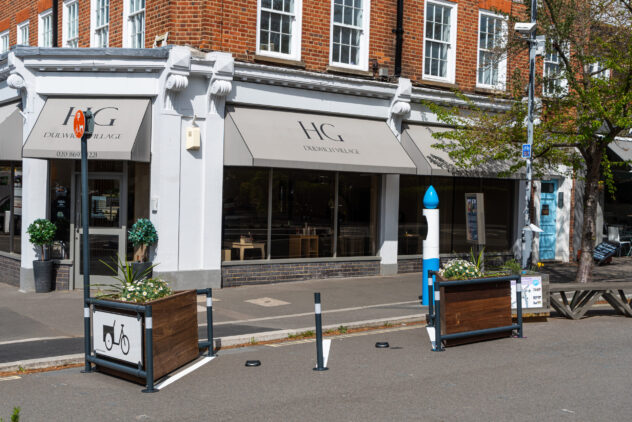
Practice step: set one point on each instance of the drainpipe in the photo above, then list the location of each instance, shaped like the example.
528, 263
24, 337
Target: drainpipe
399, 37
54, 17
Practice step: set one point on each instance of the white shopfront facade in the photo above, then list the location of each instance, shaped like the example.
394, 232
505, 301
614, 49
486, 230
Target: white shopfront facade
179, 181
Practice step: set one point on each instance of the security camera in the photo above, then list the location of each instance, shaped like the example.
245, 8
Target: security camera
524, 28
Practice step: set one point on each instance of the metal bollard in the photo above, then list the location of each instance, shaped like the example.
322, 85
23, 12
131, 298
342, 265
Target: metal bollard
437, 319
209, 321
149, 356
519, 305
319, 335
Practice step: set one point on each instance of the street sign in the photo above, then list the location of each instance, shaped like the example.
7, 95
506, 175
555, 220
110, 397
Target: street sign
526, 150
79, 124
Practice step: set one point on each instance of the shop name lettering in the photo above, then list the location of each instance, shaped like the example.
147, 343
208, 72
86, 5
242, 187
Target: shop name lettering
324, 131
99, 120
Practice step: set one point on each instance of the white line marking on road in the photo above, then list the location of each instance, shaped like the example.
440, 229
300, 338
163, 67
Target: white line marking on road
336, 337
331, 311
267, 302
184, 372
26, 340
567, 411
13, 377
326, 347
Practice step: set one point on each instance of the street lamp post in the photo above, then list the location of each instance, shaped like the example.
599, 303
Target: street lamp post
527, 232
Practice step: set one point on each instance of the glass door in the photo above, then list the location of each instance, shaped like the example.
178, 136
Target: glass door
107, 226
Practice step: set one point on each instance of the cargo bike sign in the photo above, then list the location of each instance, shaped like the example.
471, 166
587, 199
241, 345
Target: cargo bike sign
118, 336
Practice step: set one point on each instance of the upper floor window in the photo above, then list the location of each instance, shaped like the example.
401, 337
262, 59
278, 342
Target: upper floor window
492, 59
23, 33
349, 33
135, 24
554, 82
440, 41
598, 70
4, 41
279, 28
45, 29
71, 24
100, 22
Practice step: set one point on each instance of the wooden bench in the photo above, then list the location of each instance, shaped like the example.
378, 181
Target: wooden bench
584, 295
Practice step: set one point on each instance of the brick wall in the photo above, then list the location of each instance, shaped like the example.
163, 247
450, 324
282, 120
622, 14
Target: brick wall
61, 274
230, 26
10, 270
410, 265
238, 275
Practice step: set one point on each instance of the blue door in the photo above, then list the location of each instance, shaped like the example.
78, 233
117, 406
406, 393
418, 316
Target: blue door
548, 207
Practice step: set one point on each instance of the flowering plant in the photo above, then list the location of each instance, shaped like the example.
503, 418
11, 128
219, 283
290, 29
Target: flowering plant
144, 290
456, 269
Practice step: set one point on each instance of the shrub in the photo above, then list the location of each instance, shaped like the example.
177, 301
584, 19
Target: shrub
143, 232
457, 269
128, 289
41, 232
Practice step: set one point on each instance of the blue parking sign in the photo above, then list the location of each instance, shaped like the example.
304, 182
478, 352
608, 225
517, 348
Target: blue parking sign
526, 150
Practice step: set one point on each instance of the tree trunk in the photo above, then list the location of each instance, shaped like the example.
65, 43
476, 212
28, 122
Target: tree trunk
589, 233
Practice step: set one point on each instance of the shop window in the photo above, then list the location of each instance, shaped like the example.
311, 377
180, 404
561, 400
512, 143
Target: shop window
10, 207
357, 214
60, 202
499, 208
302, 213
245, 213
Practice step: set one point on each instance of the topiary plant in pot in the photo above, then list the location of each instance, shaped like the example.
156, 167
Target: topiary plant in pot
41, 233
142, 235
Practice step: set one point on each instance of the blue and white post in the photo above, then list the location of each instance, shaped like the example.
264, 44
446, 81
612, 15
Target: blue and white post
431, 243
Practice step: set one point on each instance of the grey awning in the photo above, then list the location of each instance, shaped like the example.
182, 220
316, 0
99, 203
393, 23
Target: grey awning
622, 147
417, 140
11, 124
274, 138
122, 129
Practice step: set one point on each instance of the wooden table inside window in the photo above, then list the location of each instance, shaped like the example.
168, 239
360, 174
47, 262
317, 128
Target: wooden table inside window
303, 245
246, 245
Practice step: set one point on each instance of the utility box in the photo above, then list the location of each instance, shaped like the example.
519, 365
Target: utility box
192, 138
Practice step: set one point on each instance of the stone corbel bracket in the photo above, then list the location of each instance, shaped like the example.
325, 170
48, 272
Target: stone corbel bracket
179, 67
400, 105
17, 82
221, 83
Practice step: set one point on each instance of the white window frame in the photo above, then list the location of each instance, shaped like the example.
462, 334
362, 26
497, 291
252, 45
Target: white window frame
41, 36
66, 39
562, 81
363, 60
604, 73
451, 65
20, 36
127, 24
5, 36
95, 28
295, 44
502, 62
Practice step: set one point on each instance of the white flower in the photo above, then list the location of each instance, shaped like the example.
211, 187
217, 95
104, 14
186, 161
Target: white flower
144, 293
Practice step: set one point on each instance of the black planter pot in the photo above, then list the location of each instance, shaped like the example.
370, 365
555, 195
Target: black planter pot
140, 268
43, 275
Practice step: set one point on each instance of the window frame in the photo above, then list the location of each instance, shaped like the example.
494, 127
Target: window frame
295, 43
65, 22
451, 65
363, 61
5, 35
20, 35
94, 5
127, 21
46, 14
502, 64
563, 83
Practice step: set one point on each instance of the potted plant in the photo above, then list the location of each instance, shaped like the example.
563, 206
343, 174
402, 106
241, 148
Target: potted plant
473, 306
41, 233
142, 235
174, 315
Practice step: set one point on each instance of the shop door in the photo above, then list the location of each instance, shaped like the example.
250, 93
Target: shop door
107, 219
548, 206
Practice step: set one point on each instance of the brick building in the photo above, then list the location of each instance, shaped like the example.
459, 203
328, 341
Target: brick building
276, 139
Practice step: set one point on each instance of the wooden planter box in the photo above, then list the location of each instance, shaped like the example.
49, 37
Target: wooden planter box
175, 334
475, 307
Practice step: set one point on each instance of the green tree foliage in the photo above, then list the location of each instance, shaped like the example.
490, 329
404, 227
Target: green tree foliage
588, 106
41, 233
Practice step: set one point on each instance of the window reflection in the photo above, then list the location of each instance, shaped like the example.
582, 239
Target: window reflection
357, 214
10, 222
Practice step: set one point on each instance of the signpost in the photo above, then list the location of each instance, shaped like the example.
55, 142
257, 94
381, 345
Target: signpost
83, 126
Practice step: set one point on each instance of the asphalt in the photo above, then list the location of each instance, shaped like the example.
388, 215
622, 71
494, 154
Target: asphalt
46, 329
